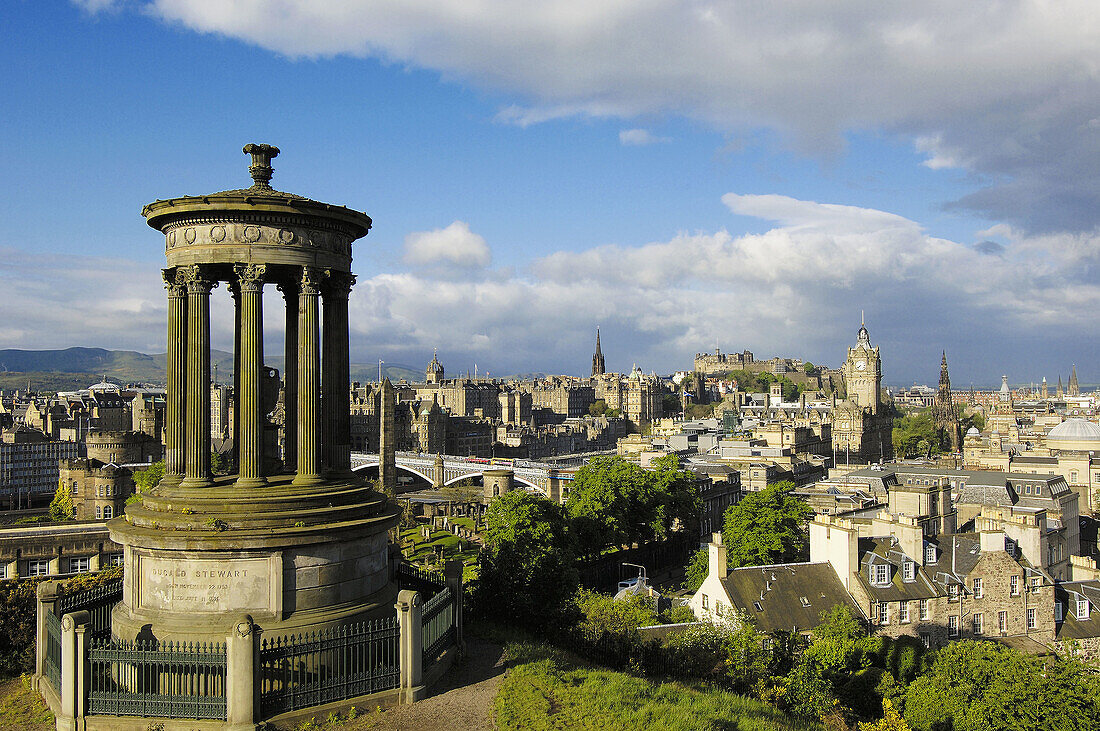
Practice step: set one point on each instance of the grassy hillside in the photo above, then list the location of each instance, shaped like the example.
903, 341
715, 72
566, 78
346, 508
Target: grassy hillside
546, 689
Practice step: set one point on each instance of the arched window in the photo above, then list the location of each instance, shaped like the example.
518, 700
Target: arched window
108, 512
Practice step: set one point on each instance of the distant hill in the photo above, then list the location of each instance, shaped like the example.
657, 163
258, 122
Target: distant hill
75, 368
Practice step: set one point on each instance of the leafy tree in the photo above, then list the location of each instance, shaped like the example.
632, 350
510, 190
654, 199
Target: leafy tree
976, 686
891, 720
609, 504
677, 503
220, 463
61, 507
597, 407
670, 403
603, 614
767, 527
808, 367
146, 479
696, 570
526, 568
916, 434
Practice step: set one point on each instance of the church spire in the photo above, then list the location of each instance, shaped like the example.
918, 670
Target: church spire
597, 357
1074, 389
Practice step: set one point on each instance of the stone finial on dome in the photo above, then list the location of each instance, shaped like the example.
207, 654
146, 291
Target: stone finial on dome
261, 169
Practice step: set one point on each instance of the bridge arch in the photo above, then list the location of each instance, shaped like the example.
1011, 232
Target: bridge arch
410, 470
515, 479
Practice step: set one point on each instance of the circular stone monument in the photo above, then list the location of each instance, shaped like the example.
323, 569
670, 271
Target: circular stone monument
296, 540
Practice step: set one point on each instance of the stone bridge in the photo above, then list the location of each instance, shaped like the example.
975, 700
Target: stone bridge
443, 470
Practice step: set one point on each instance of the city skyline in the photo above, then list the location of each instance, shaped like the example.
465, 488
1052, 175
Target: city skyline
650, 181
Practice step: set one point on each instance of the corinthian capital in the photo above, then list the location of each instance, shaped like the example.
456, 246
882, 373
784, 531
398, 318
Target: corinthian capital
312, 280
174, 282
339, 283
198, 279
250, 277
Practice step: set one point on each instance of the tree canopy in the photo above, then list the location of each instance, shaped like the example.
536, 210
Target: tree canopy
526, 568
760, 382
61, 507
976, 686
767, 527
614, 502
916, 435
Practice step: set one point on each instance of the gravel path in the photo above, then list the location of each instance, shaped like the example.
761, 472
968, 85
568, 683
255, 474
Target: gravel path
462, 699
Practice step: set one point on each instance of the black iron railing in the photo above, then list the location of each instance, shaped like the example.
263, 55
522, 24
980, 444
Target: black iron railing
311, 669
98, 602
157, 679
438, 625
53, 651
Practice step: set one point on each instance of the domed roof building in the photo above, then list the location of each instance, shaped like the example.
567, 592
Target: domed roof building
1074, 435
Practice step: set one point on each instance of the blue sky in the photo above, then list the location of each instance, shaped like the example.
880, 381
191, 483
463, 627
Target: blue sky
678, 173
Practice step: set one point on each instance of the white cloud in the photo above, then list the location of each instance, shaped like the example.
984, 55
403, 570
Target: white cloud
1008, 89
639, 137
455, 245
795, 289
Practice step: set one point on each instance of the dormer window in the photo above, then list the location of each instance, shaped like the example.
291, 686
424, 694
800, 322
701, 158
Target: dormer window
1082, 609
880, 574
805, 602
930, 553
909, 571
953, 592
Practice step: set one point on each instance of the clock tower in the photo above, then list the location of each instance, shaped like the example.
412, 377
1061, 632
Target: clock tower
863, 373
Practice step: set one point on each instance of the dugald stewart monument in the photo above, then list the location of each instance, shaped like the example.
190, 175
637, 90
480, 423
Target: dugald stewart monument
297, 542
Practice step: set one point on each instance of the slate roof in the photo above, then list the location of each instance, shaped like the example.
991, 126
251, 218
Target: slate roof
1071, 627
887, 550
780, 598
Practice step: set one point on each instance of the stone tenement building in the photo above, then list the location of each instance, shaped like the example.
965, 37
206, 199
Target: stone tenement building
640, 397
101, 482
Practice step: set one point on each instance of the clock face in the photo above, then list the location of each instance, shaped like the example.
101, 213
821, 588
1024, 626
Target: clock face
860, 365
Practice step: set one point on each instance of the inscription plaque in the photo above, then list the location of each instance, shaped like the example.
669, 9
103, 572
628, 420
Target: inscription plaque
205, 585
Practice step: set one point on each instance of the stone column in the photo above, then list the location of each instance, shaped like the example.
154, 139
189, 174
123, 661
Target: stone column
197, 468
175, 406
328, 377
250, 417
336, 375
309, 379
235, 293
290, 376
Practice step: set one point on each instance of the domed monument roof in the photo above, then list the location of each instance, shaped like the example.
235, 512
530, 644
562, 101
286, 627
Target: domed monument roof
1075, 434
